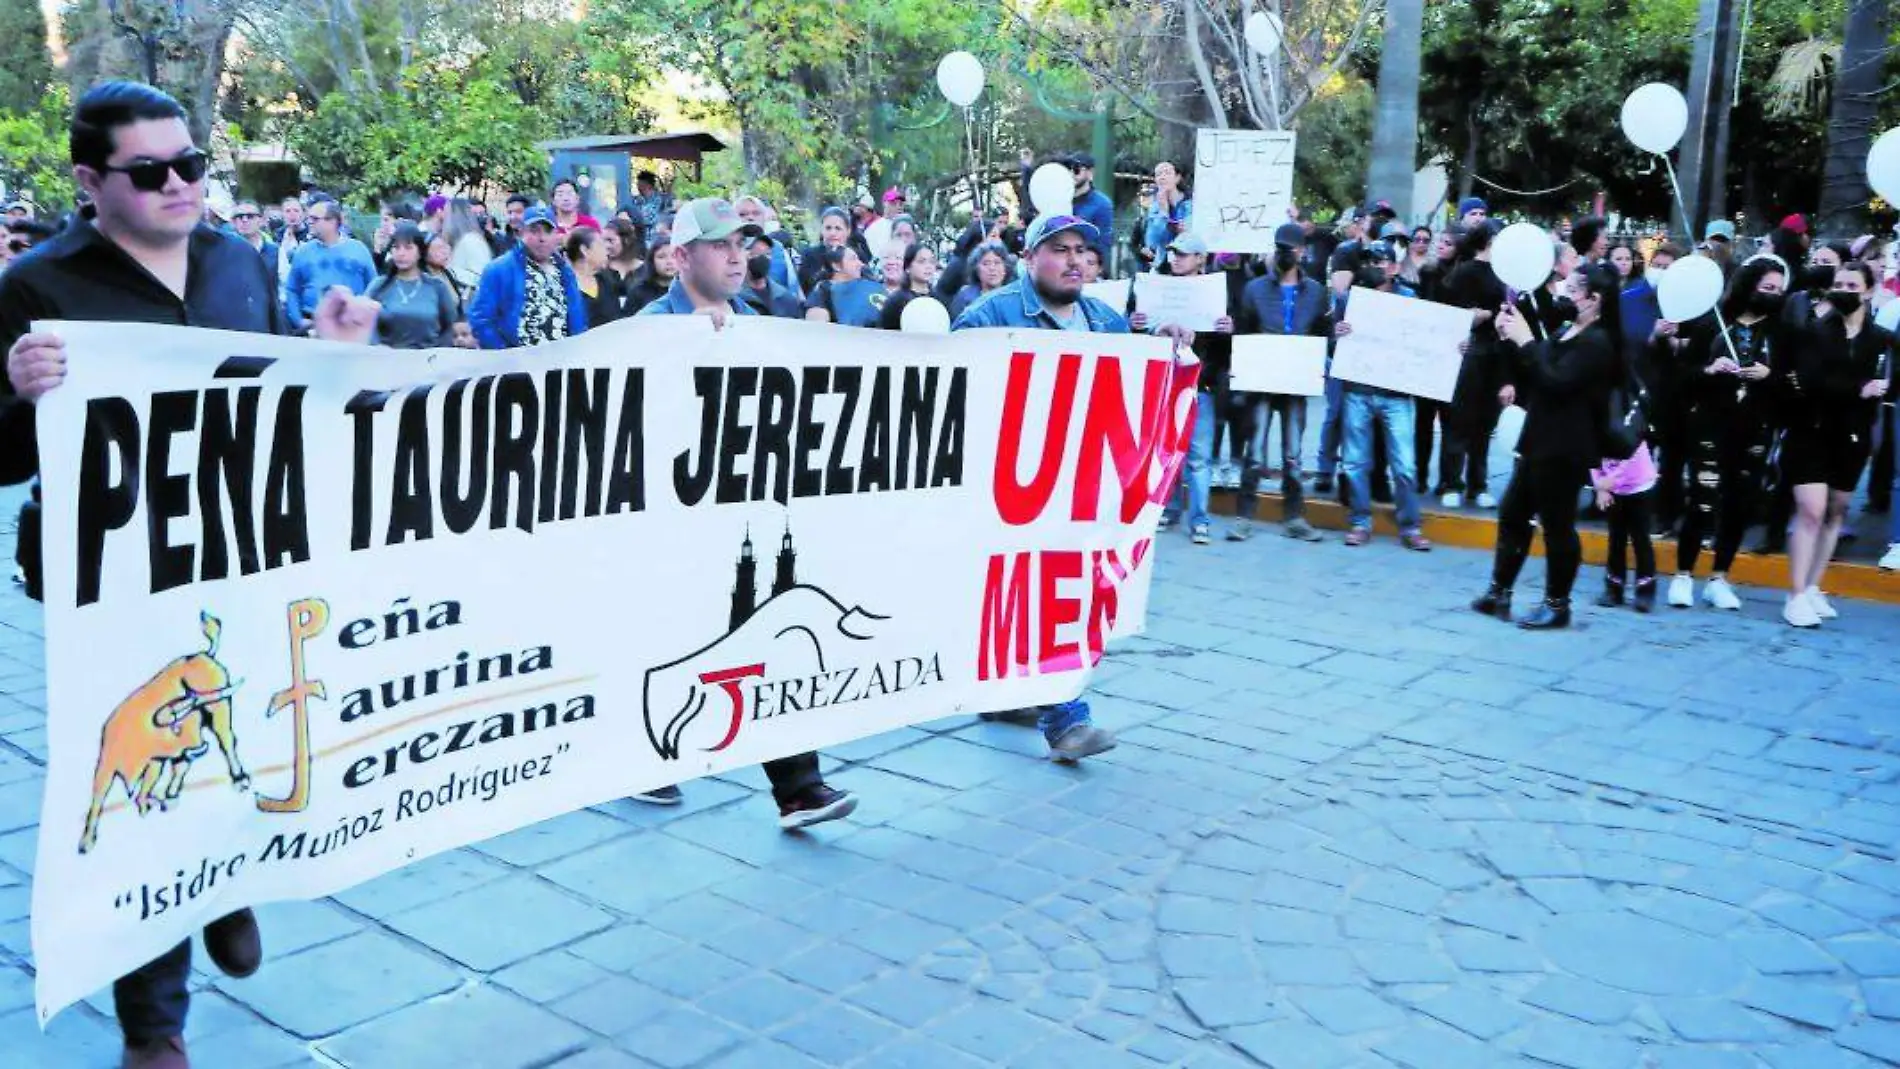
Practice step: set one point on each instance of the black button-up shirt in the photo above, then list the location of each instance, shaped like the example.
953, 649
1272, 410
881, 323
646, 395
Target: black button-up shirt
82, 275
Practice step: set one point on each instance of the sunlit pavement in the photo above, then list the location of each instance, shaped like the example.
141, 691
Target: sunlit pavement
1349, 824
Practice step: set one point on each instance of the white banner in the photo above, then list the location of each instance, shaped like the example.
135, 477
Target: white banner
1243, 186
1193, 301
1292, 365
1402, 344
315, 611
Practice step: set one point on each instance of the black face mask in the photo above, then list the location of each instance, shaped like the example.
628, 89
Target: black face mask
1844, 303
1817, 279
1285, 260
1766, 304
757, 267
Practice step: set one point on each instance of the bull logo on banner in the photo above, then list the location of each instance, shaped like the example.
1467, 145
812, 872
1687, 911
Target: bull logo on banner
153, 738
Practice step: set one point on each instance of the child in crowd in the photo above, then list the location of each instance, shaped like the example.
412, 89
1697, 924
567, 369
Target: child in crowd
1623, 492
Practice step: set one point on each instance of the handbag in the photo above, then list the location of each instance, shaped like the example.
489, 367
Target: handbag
1627, 418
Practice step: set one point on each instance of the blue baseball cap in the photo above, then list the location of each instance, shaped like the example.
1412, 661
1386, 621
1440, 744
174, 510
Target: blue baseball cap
538, 214
1048, 226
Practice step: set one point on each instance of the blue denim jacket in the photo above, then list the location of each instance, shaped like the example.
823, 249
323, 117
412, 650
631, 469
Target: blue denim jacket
1017, 305
678, 302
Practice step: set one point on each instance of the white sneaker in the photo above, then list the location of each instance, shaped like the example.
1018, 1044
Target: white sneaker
1720, 595
1799, 612
1682, 592
1453, 500
1891, 562
1821, 606
1486, 501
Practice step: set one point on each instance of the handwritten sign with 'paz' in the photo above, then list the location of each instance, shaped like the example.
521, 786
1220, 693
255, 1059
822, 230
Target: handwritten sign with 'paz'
1243, 187
1402, 344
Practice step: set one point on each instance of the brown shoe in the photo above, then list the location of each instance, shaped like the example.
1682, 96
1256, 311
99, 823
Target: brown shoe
234, 944
167, 1053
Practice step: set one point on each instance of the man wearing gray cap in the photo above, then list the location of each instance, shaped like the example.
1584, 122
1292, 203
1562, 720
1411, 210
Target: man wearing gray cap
709, 251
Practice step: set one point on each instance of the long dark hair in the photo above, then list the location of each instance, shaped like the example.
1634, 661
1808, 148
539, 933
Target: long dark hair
407, 234
1747, 277
1602, 282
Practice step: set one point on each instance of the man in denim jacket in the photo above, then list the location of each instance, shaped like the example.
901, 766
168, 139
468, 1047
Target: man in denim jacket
1048, 296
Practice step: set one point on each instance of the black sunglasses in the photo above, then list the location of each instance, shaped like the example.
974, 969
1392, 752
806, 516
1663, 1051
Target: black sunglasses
18, 245
150, 176
245, 215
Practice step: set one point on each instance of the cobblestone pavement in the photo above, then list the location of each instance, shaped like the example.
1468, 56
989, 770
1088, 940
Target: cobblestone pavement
1349, 824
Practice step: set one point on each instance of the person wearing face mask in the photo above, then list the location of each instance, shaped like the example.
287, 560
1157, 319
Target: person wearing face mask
1731, 425
1811, 286
1831, 388
1285, 303
1564, 382
765, 296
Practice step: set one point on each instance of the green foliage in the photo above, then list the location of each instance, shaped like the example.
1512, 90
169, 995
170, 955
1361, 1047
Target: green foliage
438, 129
1513, 91
26, 67
34, 160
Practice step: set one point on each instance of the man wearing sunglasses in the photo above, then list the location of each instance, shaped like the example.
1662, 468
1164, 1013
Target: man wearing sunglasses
248, 221
329, 259
140, 253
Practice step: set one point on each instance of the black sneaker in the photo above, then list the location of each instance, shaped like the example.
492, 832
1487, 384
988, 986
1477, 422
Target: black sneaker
661, 796
1322, 484
815, 805
1028, 718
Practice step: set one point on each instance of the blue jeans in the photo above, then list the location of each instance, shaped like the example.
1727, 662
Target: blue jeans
1329, 428
1197, 477
1396, 417
1054, 720
1261, 411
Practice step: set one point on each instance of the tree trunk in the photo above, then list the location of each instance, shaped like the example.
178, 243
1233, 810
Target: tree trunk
1394, 165
1704, 146
1474, 142
1850, 122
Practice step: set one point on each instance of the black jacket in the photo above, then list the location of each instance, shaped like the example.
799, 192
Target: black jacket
1826, 370
1564, 387
80, 274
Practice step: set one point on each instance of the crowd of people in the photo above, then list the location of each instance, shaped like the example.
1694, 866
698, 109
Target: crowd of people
1766, 410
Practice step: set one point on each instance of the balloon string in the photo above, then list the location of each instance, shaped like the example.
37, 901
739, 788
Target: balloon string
1676, 188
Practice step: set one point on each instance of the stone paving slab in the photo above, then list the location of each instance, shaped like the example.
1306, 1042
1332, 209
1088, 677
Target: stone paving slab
1348, 824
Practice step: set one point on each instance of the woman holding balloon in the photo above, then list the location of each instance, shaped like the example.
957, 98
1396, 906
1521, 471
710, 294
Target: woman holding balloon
1565, 381
1831, 391
1732, 419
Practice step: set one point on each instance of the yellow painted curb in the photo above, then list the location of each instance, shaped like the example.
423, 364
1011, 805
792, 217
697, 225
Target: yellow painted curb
1479, 530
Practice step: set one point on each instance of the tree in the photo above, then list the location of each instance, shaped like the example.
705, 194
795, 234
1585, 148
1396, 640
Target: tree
1395, 130
175, 45
34, 159
1850, 123
26, 66
436, 129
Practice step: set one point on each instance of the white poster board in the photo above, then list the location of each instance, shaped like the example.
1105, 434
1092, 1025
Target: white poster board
1291, 365
1194, 302
1110, 291
1402, 344
1243, 186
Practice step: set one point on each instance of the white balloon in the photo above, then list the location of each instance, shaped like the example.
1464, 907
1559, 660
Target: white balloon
960, 76
1052, 189
1264, 32
925, 315
877, 238
1883, 166
1654, 117
1689, 288
1522, 255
